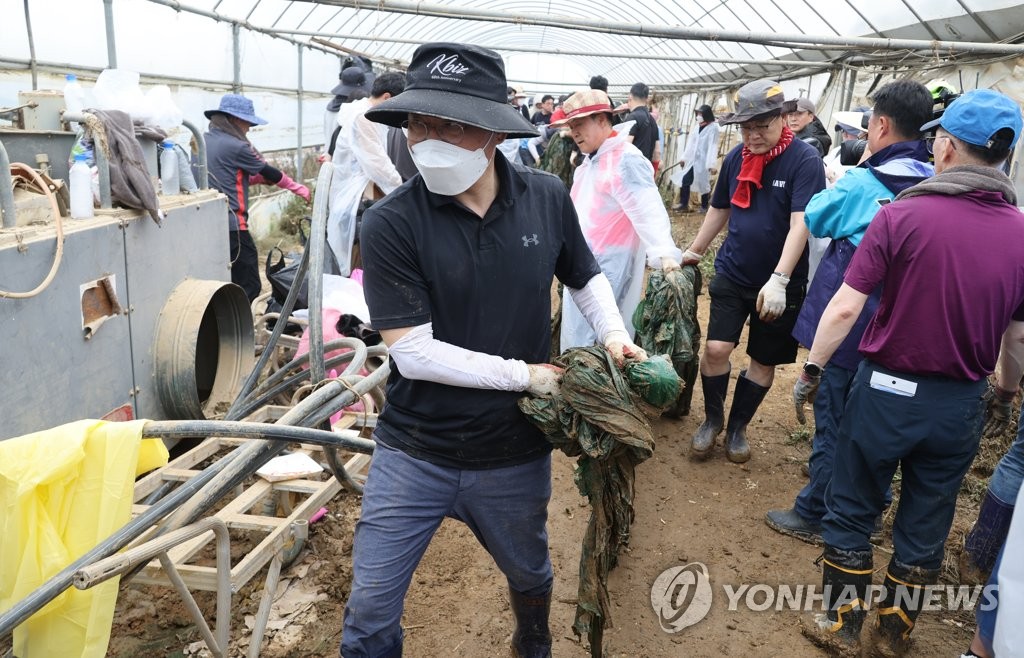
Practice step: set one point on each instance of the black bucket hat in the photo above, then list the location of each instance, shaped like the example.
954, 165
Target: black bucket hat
353, 78
457, 82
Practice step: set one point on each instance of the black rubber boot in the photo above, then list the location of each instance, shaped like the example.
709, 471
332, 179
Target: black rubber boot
901, 603
745, 401
715, 388
845, 581
789, 522
687, 372
532, 637
985, 539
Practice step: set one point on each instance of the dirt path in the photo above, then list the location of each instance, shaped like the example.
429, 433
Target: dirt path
686, 511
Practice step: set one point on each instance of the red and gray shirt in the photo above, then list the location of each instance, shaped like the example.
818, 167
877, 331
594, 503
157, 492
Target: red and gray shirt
230, 161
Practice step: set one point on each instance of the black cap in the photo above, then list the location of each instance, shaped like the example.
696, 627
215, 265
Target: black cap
458, 82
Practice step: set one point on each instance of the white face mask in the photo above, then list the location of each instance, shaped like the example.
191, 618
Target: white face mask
448, 169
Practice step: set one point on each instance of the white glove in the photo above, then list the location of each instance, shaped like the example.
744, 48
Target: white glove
691, 257
544, 379
771, 301
621, 347
669, 264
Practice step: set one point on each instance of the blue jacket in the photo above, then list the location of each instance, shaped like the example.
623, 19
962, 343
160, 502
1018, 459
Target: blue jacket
843, 213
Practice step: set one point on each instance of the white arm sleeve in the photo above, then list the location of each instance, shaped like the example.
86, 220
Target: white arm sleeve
419, 355
596, 303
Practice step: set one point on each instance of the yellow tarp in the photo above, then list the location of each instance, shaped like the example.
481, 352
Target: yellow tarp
62, 491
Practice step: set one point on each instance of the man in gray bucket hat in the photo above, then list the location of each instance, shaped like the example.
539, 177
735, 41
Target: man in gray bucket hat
458, 263
761, 268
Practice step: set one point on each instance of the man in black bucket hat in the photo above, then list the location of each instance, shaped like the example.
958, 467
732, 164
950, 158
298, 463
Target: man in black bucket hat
458, 263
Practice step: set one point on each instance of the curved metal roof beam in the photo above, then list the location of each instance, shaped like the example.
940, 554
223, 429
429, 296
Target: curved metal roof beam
642, 29
505, 47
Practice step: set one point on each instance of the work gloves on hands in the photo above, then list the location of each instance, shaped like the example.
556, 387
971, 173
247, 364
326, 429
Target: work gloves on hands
804, 391
544, 379
621, 347
669, 264
286, 183
998, 409
771, 300
691, 257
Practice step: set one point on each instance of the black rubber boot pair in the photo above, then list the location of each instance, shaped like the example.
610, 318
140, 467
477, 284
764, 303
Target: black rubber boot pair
846, 582
745, 401
532, 637
902, 599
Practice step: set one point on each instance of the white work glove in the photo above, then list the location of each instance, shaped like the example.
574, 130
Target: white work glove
691, 257
771, 301
669, 264
544, 379
621, 347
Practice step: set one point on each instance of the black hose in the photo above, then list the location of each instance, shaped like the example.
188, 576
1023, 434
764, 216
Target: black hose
282, 321
166, 429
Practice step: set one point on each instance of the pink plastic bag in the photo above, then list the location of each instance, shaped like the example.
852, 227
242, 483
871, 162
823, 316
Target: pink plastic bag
330, 330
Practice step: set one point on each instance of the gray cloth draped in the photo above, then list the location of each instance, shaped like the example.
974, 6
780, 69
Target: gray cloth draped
130, 183
962, 179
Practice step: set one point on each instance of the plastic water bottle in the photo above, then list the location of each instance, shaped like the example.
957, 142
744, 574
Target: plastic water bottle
80, 180
169, 170
74, 97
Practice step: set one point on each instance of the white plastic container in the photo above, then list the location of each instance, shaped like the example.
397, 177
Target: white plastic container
74, 96
169, 169
80, 182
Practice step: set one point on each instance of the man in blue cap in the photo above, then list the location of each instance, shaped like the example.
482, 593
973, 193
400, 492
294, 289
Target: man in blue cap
950, 258
233, 163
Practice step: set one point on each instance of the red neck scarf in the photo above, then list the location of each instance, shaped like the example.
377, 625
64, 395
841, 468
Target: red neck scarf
752, 169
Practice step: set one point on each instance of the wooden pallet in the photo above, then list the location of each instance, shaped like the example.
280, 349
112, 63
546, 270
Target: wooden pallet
300, 498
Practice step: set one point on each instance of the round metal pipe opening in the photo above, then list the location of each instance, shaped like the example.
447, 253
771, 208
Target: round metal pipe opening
204, 348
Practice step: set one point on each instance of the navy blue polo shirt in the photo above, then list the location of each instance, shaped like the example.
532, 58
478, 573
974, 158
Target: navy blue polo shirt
757, 234
485, 284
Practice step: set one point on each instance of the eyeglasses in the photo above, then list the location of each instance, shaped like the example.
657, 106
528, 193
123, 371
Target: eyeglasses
929, 142
449, 131
759, 128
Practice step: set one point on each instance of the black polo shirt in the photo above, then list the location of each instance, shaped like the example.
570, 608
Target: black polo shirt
485, 284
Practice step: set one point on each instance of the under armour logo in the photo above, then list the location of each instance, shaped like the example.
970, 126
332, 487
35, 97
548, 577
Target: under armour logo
447, 65
528, 241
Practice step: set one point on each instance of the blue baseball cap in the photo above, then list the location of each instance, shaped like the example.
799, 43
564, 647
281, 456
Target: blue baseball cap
239, 106
976, 116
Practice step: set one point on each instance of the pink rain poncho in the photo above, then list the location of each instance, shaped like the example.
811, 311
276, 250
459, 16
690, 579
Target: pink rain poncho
625, 223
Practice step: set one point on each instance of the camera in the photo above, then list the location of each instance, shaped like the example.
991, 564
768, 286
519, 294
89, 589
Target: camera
851, 151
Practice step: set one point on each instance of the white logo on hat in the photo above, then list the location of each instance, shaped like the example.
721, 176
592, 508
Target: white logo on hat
447, 66
528, 241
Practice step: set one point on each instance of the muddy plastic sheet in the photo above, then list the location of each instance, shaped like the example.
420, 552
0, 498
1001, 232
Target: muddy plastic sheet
666, 323
600, 418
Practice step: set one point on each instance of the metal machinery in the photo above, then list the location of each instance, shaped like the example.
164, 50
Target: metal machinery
140, 320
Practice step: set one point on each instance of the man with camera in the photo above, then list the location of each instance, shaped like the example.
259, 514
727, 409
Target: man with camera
899, 159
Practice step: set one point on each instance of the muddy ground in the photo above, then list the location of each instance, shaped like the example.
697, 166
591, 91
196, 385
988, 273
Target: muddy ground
686, 511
